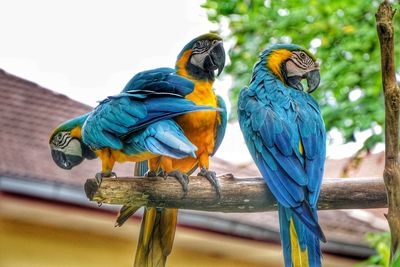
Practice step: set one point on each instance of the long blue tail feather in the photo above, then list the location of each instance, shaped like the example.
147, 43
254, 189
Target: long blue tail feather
306, 214
307, 241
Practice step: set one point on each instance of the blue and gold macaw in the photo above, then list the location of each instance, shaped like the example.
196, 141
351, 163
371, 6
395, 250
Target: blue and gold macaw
170, 121
285, 134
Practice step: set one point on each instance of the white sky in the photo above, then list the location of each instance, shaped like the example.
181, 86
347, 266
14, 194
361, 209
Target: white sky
90, 49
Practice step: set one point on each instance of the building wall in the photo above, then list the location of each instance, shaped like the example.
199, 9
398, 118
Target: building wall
36, 233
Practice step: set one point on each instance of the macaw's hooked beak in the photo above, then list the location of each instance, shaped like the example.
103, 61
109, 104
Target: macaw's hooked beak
216, 58
65, 161
313, 78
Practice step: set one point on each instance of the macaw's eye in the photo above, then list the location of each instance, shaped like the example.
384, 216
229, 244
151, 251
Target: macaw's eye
214, 42
302, 55
58, 136
201, 44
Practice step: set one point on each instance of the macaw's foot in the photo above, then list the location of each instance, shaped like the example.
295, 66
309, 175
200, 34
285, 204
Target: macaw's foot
182, 178
212, 178
150, 174
100, 175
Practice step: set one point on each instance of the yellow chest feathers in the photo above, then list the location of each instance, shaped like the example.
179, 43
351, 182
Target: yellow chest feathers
201, 120
200, 126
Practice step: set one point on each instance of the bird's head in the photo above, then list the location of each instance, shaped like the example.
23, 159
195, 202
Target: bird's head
201, 58
292, 63
67, 148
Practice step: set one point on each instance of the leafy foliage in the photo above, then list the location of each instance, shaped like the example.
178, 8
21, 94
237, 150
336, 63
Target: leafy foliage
342, 34
381, 243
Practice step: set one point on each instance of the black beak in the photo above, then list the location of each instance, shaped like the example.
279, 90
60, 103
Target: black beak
216, 58
295, 82
313, 78
65, 161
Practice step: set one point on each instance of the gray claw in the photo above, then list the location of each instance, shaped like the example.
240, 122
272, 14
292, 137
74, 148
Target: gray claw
150, 174
99, 178
182, 178
212, 178
100, 175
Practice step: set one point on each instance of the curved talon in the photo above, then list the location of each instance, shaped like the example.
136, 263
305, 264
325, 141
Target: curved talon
212, 178
100, 175
99, 178
182, 178
150, 174
165, 175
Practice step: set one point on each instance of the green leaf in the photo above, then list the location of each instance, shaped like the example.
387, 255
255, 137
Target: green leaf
381, 243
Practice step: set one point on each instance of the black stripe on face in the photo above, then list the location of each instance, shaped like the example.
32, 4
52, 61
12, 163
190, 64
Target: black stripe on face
297, 61
62, 140
302, 60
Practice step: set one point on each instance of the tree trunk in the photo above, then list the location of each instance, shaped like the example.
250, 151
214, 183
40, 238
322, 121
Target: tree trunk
391, 174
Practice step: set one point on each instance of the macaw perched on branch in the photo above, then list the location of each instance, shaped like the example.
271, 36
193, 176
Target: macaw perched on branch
285, 134
198, 61
168, 120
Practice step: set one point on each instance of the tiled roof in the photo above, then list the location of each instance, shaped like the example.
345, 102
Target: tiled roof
29, 113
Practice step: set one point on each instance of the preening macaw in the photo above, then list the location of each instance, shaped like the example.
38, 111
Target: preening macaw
170, 118
285, 134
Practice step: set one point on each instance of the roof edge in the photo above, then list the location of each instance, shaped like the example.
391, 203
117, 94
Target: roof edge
33, 84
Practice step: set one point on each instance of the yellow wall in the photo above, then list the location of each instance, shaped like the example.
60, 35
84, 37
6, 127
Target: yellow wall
40, 234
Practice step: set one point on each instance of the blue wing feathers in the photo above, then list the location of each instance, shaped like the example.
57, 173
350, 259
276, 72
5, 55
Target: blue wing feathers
272, 180
283, 142
258, 119
149, 97
164, 138
267, 130
161, 79
125, 119
155, 146
169, 133
284, 188
221, 127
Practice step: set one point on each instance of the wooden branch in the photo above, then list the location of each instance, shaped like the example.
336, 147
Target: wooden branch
237, 194
391, 175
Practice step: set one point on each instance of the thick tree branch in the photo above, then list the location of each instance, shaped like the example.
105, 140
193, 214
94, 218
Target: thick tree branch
391, 175
237, 194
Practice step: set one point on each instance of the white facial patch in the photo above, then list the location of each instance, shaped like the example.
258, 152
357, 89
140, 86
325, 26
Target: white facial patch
198, 60
73, 148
